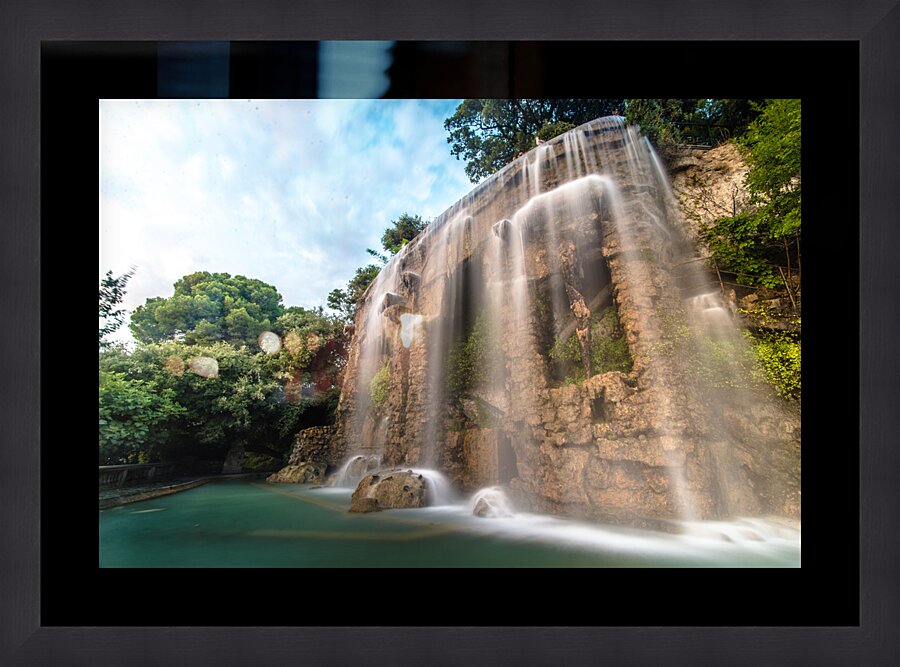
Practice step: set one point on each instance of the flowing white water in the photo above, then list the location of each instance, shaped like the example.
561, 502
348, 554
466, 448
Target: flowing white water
491, 502
540, 270
354, 469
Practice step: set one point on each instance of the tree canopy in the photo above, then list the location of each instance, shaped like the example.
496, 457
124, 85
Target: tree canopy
112, 291
170, 399
345, 301
489, 134
402, 230
209, 307
668, 122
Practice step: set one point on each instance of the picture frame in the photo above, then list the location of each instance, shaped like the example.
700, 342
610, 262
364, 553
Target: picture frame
874, 25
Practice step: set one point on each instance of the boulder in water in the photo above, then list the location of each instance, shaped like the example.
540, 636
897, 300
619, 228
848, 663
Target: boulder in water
491, 503
361, 464
363, 505
398, 489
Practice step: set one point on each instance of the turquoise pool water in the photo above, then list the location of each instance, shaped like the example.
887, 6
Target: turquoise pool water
254, 524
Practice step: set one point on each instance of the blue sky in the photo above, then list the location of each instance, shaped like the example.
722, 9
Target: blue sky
288, 191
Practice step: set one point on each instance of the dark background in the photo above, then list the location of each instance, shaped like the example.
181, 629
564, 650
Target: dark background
824, 591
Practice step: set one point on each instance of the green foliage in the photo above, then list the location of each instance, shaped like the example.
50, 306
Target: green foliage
708, 361
550, 130
346, 301
734, 115
566, 353
379, 386
311, 340
668, 122
112, 291
766, 357
722, 363
778, 356
541, 305
260, 462
660, 119
209, 307
134, 419
766, 234
489, 134
472, 361
258, 400
402, 230
609, 350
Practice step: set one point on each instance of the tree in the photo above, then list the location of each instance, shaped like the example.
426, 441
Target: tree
203, 392
209, 307
662, 120
766, 233
669, 122
402, 230
345, 301
253, 399
489, 134
134, 419
112, 291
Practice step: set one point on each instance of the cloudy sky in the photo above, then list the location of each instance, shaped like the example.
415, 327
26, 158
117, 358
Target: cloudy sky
288, 191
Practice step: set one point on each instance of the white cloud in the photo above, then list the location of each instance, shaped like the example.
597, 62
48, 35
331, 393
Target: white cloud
290, 192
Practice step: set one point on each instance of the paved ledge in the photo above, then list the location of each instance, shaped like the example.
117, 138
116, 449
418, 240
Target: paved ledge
125, 495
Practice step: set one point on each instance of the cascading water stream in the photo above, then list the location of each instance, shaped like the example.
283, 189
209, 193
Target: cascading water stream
466, 327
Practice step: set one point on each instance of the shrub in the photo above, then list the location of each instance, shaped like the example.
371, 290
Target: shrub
609, 350
778, 356
472, 361
379, 385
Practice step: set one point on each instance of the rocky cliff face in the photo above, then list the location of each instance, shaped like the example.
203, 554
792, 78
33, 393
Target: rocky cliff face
466, 327
314, 452
709, 185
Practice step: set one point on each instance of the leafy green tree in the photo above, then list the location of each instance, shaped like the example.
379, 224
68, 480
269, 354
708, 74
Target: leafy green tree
112, 291
734, 115
230, 392
209, 307
662, 120
313, 342
489, 134
766, 234
135, 417
253, 399
402, 230
550, 130
345, 301
669, 122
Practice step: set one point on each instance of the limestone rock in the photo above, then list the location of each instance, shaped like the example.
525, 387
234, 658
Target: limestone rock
302, 473
365, 505
394, 489
315, 444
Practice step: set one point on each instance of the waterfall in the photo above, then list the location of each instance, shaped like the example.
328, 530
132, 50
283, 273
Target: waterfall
557, 329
